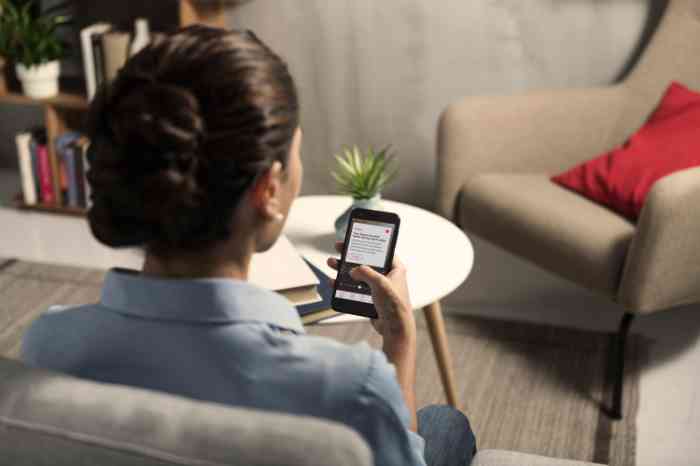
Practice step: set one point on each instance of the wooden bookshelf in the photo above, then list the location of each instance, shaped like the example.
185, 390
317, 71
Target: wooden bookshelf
67, 110
18, 202
63, 100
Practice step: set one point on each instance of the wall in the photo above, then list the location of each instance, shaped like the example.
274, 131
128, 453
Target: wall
380, 72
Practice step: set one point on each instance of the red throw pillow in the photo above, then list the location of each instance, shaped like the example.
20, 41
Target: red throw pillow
668, 142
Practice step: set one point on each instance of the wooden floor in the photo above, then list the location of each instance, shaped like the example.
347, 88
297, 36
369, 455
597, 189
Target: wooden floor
669, 414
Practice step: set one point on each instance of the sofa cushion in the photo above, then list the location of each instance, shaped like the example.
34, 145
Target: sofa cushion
553, 227
51, 419
667, 143
511, 458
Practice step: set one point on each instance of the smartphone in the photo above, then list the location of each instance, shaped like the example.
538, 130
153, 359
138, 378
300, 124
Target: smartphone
370, 240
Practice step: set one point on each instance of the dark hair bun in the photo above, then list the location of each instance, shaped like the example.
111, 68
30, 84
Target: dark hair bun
156, 132
164, 117
180, 134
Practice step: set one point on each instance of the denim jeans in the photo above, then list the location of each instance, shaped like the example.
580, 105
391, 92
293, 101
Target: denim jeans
449, 440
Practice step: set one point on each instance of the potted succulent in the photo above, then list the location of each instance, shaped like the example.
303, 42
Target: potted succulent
362, 176
32, 43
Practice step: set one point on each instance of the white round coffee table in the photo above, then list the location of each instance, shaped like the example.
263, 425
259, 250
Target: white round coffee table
438, 257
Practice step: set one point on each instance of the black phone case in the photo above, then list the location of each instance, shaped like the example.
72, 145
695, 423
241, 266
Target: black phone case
355, 307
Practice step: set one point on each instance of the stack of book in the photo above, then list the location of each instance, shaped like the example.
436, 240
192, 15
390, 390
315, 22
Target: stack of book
282, 269
59, 180
105, 50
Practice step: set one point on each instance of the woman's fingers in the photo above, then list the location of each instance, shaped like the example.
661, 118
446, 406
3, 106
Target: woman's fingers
374, 279
332, 263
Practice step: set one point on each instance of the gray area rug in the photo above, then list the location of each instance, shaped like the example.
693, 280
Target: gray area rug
530, 388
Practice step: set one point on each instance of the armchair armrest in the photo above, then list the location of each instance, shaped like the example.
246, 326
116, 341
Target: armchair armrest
542, 132
662, 269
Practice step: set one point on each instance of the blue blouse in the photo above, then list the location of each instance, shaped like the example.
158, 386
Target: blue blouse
230, 342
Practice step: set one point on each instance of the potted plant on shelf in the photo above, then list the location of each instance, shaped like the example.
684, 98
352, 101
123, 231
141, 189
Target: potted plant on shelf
362, 176
34, 46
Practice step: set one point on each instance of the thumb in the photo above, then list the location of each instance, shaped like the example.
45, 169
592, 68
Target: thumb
364, 273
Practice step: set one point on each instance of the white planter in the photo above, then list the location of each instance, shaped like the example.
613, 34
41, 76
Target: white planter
341, 223
39, 81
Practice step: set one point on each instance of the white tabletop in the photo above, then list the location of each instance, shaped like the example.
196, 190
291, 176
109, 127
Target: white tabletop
438, 255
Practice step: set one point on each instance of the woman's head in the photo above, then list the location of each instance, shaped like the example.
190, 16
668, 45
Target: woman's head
195, 127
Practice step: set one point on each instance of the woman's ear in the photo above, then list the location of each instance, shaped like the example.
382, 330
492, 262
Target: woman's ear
265, 195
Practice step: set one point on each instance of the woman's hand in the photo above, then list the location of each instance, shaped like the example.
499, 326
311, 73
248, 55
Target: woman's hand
396, 323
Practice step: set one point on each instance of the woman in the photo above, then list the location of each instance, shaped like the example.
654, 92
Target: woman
195, 156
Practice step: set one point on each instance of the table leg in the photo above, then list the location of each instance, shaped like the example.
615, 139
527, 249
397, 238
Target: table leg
438, 337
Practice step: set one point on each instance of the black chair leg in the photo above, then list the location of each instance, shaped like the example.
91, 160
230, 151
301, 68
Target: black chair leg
619, 360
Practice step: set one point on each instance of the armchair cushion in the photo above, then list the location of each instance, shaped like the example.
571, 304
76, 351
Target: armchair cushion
555, 228
511, 458
668, 142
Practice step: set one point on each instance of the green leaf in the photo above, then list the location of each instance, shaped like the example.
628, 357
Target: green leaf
345, 165
363, 175
356, 159
57, 8
31, 38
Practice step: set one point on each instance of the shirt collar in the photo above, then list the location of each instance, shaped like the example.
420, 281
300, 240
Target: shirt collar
197, 300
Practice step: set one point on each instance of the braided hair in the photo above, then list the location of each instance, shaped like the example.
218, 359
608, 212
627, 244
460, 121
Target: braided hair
182, 132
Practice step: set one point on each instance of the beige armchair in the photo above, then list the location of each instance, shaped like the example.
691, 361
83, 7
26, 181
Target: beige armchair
496, 154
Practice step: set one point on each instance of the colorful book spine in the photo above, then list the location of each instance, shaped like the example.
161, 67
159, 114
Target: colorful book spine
46, 184
63, 170
79, 173
84, 145
71, 169
24, 155
35, 167
66, 154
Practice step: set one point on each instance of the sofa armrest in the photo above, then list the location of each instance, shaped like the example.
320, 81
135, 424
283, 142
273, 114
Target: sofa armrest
512, 458
544, 132
662, 269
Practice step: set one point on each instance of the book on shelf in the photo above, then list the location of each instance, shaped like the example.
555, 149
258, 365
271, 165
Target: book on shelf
115, 52
105, 51
98, 59
46, 185
86, 44
24, 153
67, 153
37, 173
82, 146
33, 151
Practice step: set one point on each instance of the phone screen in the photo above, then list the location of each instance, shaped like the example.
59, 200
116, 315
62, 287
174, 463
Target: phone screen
368, 244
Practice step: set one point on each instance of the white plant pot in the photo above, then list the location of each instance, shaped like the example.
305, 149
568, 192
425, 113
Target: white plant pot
341, 223
39, 81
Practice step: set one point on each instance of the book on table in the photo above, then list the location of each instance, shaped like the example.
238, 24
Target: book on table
282, 269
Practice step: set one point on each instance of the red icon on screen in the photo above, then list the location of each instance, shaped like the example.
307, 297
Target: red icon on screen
386, 231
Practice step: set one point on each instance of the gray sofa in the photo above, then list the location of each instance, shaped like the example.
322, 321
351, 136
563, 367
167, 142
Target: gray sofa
49, 419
